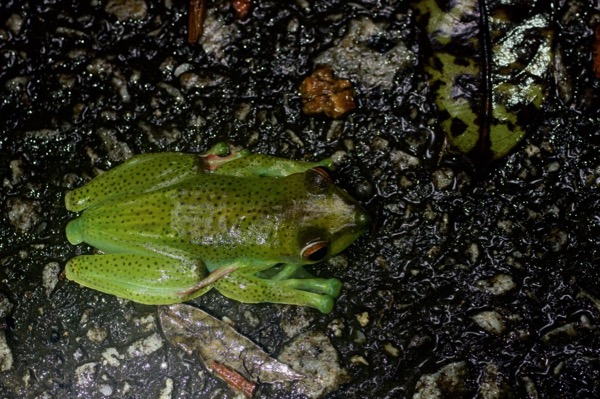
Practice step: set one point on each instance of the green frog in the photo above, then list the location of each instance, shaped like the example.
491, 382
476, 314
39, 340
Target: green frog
172, 226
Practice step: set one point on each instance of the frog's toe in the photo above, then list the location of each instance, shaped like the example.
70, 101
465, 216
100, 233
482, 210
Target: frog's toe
74, 232
323, 303
301, 292
331, 286
334, 287
326, 304
219, 149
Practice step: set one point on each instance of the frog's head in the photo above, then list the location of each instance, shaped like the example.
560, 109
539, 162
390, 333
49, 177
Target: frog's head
328, 219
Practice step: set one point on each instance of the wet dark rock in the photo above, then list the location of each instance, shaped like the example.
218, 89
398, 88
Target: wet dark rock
489, 276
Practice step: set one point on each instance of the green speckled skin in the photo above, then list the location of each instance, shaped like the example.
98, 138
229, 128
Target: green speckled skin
172, 226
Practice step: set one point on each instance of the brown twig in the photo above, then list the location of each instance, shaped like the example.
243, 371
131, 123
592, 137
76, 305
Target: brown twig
596, 51
197, 13
234, 379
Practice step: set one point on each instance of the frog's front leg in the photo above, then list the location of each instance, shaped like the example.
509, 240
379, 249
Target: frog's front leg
288, 271
228, 160
269, 166
144, 279
247, 287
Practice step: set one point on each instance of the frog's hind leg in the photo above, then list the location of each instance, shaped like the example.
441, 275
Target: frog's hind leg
144, 279
316, 293
142, 173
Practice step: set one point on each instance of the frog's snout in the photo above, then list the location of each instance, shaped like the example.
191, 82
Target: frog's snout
362, 218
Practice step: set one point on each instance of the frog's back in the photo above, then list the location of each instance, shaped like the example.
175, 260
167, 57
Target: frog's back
229, 210
212, 217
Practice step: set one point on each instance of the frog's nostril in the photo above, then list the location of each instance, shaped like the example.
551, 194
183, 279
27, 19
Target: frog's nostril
362, 218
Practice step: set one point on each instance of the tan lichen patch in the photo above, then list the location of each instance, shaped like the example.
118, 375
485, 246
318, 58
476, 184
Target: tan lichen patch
322, 93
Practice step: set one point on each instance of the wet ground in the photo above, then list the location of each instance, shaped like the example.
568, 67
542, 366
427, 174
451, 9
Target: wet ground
471, 282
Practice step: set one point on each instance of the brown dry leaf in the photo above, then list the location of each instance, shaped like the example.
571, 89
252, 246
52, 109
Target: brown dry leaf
221, 347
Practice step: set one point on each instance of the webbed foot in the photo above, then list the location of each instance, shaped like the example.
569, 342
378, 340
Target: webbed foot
316, 293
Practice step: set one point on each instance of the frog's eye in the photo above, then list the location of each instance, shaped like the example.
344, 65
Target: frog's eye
317, 180
315, 250
323, 172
